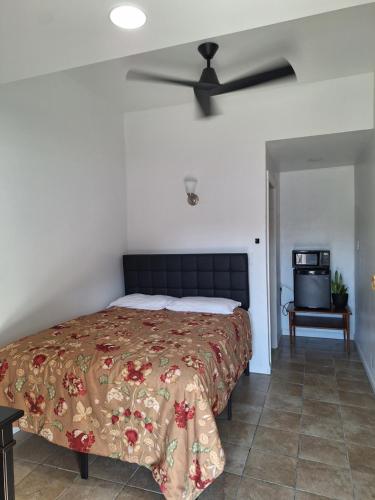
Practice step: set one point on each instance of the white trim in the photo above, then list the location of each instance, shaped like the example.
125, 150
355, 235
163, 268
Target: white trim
369, 372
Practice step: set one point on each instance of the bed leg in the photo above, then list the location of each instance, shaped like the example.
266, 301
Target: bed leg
83, 464
247, 371
229, 408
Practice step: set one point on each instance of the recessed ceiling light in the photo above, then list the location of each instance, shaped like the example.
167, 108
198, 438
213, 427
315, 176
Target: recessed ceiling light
127, 17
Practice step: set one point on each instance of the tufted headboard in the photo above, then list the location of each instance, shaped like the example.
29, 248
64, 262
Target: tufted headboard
181, 275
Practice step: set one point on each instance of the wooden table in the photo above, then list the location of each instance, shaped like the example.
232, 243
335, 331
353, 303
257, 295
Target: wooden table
320, 318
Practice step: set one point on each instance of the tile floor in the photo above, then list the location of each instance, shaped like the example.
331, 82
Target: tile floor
306, 433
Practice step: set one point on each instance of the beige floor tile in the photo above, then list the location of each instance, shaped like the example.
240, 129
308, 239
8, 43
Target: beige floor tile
286, 376
359, 387
243, 412
289, 366
35, 449
360, 400
287, 388
110, 469
284, 402
279, 469
323, 450
22, 469
320, 380
325, 480
64, 458
319, 370
253, 489
276, 441
358, 416
321, 393
235, 458
143, 479
129, 493
44, 483
324, 427
255, 382
320, 409
278, 419
347, 374
348, 364
223, 488
91, 489
235, 432
255, 399
302, 495
364, 485
362, 458
356, 434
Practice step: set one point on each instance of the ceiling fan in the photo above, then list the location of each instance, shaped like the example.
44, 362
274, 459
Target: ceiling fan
209, 85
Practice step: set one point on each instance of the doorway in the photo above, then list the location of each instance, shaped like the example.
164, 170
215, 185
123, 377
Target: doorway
273, 263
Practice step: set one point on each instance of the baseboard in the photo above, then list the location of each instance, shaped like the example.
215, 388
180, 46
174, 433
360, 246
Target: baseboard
318, 334
16, 429
368, 370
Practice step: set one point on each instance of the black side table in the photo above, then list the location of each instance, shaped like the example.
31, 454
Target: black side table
7, 417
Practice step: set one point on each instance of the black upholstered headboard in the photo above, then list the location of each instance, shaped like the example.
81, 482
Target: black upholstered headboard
182, 275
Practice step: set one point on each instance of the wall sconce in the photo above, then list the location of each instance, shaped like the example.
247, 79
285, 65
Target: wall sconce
190, 187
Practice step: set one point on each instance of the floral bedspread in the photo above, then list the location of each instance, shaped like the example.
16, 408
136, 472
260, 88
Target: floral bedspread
141, 386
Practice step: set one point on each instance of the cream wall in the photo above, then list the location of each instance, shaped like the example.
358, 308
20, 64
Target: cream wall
317, 211
62, 203
365, 257
228, 156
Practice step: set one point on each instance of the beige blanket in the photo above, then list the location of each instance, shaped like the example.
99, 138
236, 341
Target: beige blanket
141, 386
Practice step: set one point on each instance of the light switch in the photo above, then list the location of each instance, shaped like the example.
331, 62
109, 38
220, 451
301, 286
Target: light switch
373, 282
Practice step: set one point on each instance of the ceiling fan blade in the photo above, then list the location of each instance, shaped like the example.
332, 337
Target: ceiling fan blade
205, 103
153, 77
277, 73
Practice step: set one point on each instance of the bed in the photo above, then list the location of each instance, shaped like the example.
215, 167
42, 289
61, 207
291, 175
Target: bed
141, 386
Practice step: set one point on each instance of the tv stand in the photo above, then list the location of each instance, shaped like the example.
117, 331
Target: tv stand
320, 319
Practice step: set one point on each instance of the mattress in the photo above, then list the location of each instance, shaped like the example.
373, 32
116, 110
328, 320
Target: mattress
140, 386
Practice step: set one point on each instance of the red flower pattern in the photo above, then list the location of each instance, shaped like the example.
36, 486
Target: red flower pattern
74, 385
183, 413
38, 360
217, 351
80, 441
194, 362
35, 404
61, 408
131, 436
3, 369
107, 347
135, 372
197, 477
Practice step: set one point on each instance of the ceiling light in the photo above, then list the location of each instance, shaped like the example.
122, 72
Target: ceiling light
127, 17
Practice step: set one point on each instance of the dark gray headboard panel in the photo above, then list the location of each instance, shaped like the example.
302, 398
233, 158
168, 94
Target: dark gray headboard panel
182, 275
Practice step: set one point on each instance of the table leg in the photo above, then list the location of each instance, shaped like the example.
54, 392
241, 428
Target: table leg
347, 333
290, 328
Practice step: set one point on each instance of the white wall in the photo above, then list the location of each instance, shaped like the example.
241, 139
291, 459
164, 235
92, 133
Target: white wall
62, 203
365, 258
228, 156
317, 211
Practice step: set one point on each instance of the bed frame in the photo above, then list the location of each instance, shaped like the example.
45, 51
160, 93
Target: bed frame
185, 275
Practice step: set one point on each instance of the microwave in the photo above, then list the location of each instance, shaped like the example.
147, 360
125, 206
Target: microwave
311, 259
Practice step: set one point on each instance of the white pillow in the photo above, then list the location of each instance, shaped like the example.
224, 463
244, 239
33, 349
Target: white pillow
142, 301
215, 305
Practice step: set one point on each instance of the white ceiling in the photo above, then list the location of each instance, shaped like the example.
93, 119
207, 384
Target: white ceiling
320, 47
320, 151
43, 36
